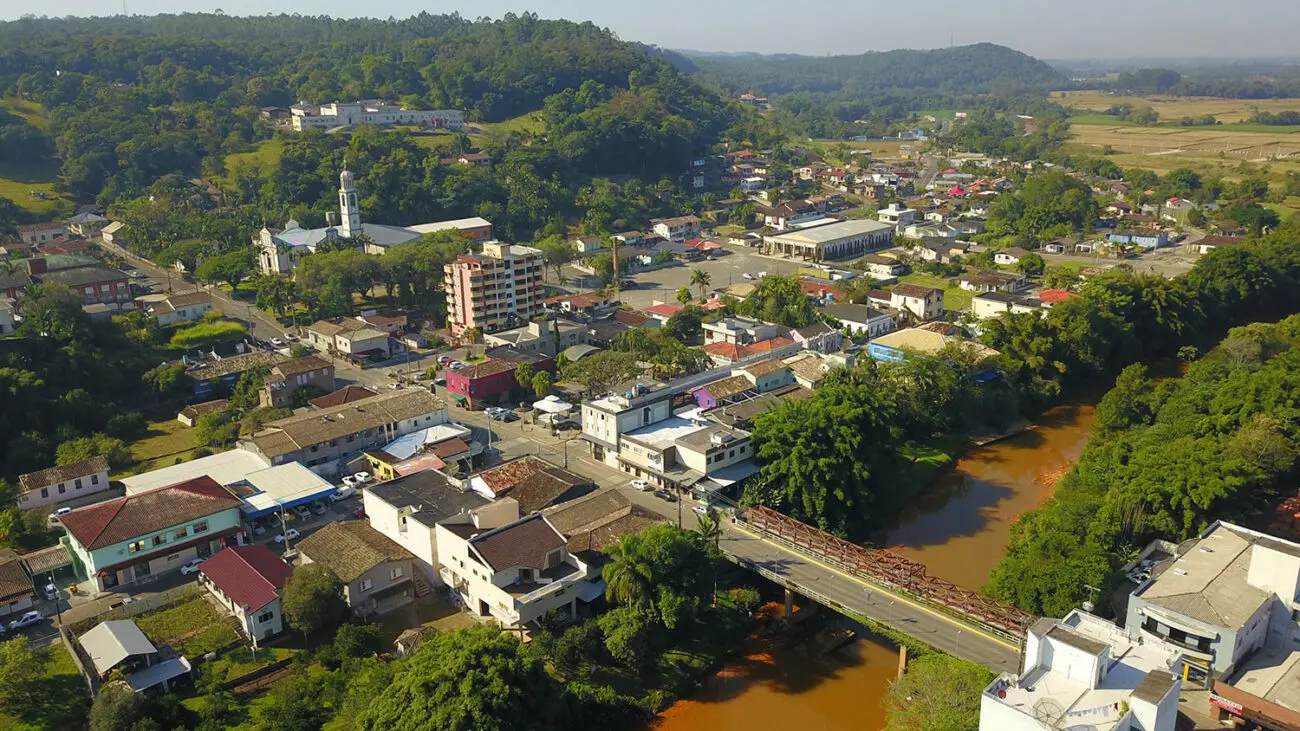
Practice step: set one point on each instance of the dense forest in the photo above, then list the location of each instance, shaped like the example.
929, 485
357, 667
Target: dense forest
983, 67
134, 100
1232, 82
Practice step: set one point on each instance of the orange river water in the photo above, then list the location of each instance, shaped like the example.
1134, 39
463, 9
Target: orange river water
959, 528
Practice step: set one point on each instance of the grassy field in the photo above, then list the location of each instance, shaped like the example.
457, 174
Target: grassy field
163, 443
954, 297
1172, 108
1232, 154
193, 628
19, 182
62, 703
265, 155
31, 111
531, 122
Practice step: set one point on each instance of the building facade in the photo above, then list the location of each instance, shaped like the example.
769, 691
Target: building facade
500, 287
65, 482
924, 303
248, 582
831, 241
342, 114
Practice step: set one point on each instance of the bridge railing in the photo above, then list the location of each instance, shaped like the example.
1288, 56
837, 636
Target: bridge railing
891, 571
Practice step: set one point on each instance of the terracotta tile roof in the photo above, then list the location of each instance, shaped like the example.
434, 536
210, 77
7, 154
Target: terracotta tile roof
915, 290
284, 436
663, 309
189, 298
525, 543
712, 305
342, 325
631, 318
502, 478
251, 576
764, 367
730, 351
208, 370
1054, 296
345, 395
540, 489
727, 387
62, 473
351, 548
301, 365
767, 346
14, 582
449, 448
487, 368
216, 406
114, 521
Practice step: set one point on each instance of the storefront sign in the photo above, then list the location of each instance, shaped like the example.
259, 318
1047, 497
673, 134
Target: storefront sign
1222, 702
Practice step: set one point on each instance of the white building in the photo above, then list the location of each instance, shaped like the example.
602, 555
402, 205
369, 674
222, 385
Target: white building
679, 229
630, 406
896, 216
247, 581
993, 304
832, 241
8, 324
861, 319
65, 482
1083, 672
279, 251
514, 574
186, 307
343, 114
925, 303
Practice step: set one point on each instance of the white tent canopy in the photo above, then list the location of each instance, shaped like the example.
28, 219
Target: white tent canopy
552, 405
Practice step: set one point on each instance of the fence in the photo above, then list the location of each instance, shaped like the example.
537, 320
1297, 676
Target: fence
890, 570
162, 600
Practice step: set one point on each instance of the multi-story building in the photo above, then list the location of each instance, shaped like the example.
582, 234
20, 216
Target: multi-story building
924, 303
348, 336
248, 581
739, 330
492, 381
514, 574
861, 319
185, 307
493, 290
1083, 672
285, 379
629, 406
679, 452
326, 439
377, 574
896, 215
342, 114
677, 229
546, 337
65, 482
142, 536
96, 284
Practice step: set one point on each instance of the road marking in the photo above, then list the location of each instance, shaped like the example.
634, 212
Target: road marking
883, 590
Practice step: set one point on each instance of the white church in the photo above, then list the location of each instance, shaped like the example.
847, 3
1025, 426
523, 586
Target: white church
279, 251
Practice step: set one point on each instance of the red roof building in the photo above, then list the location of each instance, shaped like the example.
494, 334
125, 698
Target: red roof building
247, 581
1056, 296
662, 311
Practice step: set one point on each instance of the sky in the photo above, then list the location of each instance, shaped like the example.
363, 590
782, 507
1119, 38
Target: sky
1044, 28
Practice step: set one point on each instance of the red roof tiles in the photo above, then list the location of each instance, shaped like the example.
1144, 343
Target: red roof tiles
148, 512
251, 576
663, 309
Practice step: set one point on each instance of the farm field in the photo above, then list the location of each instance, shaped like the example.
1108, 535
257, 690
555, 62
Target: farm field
1228, 153
1172, 108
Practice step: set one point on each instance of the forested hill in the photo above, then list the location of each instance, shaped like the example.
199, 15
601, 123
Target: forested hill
493, 70
983, 67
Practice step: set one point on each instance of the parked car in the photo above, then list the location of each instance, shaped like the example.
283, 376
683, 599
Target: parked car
277, 342
27, 620
443, 360
747, 275
318, 508
641, 485
51, 592
699, 510
303, 512
349, 481
343, 493
54, 517
359, 513
664, 494
361, 477
191, 567
258, 529
289, 535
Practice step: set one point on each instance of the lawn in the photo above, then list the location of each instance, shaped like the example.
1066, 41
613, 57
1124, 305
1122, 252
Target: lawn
18, 182
61, 702
29, 110
163, 441
193, 628
530, 122
264, 157
954, 297
241, 661
1173, 108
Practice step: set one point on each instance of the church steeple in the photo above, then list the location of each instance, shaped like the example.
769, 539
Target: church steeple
349, 211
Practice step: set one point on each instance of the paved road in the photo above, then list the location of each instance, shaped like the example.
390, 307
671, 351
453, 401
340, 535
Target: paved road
793, 568
260, 324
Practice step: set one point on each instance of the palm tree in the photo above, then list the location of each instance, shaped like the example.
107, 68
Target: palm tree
710, 528
626, 580
701, 279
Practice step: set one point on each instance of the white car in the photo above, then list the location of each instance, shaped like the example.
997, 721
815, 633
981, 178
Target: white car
641, 485
361, 477
52, 592
699, 510
349, 481
747, 275
26, 620
277, 342
191, 567
55, 517
343, 493
289, 535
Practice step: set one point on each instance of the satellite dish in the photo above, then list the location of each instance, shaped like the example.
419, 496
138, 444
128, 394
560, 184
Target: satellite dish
1047, 711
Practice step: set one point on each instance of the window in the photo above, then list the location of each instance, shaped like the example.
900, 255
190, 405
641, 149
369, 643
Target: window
180, 534
731, 453
45, 492
76, 484
265, 617
159, 540
94, 479
742, 449
364, 585
136, 547
395, 573
200, 526
63, 489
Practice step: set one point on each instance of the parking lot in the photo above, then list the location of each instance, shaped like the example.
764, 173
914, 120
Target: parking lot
728, 269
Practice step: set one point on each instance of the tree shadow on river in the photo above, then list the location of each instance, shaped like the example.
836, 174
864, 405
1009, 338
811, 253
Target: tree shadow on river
789, 666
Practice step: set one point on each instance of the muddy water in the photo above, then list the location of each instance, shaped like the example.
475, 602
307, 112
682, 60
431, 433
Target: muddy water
959, 528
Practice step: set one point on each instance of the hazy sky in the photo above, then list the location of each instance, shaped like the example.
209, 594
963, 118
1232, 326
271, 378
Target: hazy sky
1044, 28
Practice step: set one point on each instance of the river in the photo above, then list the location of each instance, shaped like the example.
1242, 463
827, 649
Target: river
959, 528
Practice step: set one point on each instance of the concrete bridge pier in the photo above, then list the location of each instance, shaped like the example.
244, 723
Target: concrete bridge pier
789, 602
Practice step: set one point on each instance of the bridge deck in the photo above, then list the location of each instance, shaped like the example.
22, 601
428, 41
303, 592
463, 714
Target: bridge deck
841, 591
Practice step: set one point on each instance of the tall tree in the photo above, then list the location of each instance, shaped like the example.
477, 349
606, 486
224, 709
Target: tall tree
313, 599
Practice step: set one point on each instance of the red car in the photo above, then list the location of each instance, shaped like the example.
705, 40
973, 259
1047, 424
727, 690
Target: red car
359, 513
